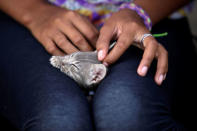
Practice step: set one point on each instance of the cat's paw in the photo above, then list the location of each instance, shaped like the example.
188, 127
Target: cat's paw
55, 61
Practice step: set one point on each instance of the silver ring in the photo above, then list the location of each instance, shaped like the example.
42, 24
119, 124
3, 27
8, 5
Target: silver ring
143, 38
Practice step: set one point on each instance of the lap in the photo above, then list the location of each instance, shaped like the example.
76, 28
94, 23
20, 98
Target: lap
31, 89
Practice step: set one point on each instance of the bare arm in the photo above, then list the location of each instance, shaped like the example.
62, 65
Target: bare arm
21, 10
159, 9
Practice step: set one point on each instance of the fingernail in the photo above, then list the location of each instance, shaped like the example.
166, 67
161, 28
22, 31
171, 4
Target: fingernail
161, 78
105, 63
144, 70
100, 55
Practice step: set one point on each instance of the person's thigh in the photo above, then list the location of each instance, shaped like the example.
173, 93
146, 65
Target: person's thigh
34, 95
126, 101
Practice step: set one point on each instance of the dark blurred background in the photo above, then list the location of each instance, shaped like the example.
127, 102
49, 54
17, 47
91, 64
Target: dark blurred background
193, 23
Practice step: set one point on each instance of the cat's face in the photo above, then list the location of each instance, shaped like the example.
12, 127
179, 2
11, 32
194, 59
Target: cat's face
83, 67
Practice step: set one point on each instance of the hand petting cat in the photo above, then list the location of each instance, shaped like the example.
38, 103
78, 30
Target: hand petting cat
127, 28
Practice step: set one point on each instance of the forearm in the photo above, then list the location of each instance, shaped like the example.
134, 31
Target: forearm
159, 9
21, 10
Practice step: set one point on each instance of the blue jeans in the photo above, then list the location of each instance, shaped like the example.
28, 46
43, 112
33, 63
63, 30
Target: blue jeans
34, 96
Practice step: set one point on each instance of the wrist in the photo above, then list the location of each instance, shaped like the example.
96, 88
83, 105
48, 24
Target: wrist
148, 7
33, 13
140, 12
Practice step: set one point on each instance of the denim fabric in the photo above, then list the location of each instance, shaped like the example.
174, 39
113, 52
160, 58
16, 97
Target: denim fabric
34, 96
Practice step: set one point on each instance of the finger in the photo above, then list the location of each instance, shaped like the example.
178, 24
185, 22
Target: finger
162, 65
52, 49
87, 29
62, 42
150, 45
123, 42
75, 36
102, 44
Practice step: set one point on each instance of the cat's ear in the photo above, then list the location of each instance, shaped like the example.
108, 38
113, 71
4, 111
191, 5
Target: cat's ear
98, 72
56, 61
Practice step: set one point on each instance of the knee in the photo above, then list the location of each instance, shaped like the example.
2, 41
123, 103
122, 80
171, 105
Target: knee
59, 118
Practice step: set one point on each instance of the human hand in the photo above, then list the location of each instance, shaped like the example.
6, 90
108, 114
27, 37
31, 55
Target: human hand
127, 28
56, 28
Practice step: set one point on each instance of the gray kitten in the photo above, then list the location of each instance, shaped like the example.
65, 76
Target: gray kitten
83, 67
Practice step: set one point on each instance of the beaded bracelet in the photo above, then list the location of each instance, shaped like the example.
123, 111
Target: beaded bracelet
140, 12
